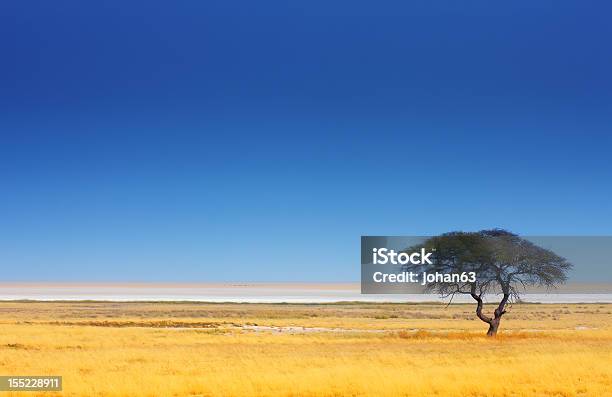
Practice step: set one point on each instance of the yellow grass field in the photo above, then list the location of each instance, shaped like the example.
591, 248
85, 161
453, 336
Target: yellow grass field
352, 349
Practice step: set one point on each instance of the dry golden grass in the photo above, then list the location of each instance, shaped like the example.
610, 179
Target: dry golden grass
180, 349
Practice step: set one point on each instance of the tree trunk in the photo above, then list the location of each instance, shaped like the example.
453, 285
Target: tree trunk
493, 326
497, 315
499, 312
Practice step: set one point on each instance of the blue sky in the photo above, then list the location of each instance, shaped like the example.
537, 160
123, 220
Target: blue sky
243, 141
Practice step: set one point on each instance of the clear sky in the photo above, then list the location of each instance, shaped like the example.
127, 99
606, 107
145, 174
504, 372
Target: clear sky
257, 141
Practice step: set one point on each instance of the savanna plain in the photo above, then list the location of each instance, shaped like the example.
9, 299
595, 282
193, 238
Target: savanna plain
342, 349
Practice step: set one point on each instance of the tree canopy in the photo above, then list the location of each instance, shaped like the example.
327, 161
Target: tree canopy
503, 262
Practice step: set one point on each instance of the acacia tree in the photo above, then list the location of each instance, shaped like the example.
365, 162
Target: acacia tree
503, 264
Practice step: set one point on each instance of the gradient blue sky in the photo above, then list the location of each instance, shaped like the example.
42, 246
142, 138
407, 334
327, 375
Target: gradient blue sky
256, 141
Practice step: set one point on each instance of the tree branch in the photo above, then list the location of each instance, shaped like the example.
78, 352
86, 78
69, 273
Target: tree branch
502, 304
479, 312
